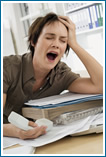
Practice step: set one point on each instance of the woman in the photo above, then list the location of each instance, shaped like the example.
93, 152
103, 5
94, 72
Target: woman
40, 73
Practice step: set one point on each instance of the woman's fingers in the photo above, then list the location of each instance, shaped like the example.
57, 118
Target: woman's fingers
64, 22
33, 124
67, 21
71, 29
66, 18
33, 133
40, 132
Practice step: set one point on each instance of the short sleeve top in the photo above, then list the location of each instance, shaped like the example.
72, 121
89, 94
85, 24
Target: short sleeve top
18, 82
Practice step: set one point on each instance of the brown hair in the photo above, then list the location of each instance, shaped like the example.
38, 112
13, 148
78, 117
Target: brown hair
36, 28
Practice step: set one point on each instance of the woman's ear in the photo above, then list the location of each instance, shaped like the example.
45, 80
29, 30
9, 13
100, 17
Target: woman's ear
32, 43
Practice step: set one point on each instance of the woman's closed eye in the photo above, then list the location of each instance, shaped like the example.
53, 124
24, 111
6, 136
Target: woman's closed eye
49, 38
63, 41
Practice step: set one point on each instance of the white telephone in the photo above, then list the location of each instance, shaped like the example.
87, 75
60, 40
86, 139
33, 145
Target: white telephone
22, 123
19, 121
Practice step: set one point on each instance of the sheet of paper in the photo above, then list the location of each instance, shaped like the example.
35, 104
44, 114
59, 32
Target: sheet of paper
8, 143
98, 120
57, 132
20, 150
59, 99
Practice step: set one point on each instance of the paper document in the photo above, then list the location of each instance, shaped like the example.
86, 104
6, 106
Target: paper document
63, 98
60, 131
8, 143
20, 150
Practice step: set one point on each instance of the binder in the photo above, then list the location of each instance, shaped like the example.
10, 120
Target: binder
89, 18
70, 117
92, 16
96, 16
52, 110
74, 18
78, 29
85, 19
79, 22
99, 13
82, 19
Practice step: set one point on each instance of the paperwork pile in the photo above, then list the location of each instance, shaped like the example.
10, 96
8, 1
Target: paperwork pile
59, 131
53, 106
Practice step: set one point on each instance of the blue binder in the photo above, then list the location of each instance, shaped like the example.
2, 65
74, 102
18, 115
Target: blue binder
90, 24
65, 103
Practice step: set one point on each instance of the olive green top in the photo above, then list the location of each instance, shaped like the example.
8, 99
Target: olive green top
18, 81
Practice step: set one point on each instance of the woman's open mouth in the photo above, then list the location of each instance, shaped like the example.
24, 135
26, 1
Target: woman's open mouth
52, 56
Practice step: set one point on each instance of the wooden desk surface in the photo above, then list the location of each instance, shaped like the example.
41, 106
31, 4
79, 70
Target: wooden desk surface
88, 144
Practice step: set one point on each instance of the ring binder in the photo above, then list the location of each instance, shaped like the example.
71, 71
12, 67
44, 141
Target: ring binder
70, 117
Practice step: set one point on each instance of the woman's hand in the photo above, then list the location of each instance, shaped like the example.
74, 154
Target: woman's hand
94, 84
71, 28
33, 133
12, 131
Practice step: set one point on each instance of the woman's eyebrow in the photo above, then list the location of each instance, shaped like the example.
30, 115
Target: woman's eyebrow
52, 34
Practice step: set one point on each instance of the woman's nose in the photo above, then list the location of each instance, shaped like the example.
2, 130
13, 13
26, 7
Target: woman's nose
55, 44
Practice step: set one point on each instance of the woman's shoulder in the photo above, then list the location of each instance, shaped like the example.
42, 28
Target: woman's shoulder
62, 67
13, 60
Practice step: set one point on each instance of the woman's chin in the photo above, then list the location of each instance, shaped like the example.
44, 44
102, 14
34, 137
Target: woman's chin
51, 63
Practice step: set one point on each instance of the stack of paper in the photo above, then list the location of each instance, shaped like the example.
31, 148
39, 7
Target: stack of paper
53, 106
61, 131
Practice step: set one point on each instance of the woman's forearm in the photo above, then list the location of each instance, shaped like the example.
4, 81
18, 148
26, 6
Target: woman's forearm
94, 69
10, 130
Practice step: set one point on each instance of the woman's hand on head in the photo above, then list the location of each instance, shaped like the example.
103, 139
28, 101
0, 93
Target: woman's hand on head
33, 133
71, 28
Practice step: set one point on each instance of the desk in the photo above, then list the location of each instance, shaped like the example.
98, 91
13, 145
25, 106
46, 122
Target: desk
88, 144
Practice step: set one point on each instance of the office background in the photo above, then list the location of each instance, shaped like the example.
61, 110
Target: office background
88, 18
